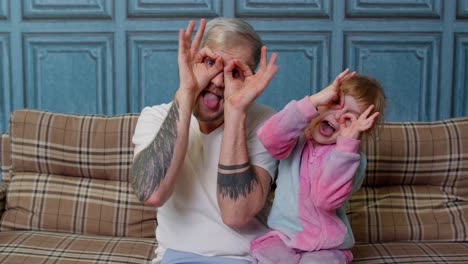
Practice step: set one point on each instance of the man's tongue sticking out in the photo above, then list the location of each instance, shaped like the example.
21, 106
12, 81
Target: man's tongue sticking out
211, 101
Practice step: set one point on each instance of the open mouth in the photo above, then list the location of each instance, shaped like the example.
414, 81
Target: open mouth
326, 128
211, 100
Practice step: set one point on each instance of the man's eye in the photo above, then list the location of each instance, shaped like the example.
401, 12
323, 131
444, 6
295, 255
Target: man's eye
210, 62
235, 73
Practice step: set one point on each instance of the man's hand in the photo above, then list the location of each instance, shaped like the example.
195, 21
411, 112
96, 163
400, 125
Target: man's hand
331, 94
352, 127
242, 87
196, 67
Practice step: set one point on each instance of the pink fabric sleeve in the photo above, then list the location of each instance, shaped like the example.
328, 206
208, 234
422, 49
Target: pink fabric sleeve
333, 186
279, 134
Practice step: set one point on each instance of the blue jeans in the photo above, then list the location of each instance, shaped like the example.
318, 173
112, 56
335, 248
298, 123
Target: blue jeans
179, 257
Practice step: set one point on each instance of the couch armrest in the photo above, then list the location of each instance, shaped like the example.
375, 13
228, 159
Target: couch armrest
3, 190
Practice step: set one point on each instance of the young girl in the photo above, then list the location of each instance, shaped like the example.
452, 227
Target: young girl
317, 141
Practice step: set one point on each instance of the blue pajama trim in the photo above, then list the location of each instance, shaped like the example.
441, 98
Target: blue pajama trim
179, 257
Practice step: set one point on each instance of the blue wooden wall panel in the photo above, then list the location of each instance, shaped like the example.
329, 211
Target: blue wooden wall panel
69, 73
5, 91
4, 9
394, 8
174, 8
303, 63
413, 58
296, 8
153, 69
70, 9
117, 56
462, 9
461, 73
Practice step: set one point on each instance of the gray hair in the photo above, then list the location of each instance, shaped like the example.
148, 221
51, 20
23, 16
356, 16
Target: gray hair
225, 31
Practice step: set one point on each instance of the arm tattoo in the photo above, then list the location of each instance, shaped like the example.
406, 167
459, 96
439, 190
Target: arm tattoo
151, 164
236, 180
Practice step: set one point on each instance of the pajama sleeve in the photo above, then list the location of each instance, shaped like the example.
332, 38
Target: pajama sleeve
333, 186
279, 134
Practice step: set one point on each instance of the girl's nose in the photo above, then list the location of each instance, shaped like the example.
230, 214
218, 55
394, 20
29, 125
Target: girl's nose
338, 114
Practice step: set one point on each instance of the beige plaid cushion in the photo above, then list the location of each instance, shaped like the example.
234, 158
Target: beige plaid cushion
35, 247
75, 145
71, 174
78, 205
5, 169
416, 186
5, 158
412, 153
401, 252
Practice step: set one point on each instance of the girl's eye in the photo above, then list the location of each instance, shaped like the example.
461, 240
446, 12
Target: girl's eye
336, 100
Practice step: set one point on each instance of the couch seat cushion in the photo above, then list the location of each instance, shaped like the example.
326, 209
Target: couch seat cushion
54, 247
401, 252
44, 202
407, 213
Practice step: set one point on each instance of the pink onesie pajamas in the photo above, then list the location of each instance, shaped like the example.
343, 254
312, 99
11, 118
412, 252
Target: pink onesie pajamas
308, 218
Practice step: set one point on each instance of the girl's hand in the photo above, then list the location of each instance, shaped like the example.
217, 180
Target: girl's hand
352, 127
331, 94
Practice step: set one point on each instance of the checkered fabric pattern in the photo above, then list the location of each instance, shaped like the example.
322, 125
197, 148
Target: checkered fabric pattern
3, 190
416, 186
35, 247
97, 147
410, 253
71, 175
78, 205
5, 166
5, 158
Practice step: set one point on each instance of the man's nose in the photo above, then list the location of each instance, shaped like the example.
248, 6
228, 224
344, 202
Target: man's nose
218, 80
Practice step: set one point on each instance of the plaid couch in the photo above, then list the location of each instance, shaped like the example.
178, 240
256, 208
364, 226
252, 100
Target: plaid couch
68, 200
413, 206
68, 196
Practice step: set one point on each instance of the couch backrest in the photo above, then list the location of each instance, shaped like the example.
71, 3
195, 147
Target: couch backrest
411, 153
88, 146
5, 166
71, 173
5, 158
416, 185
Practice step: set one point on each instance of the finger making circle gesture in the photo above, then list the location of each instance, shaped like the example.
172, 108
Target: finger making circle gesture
331, 95
352, 126
242, 86
194, 74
